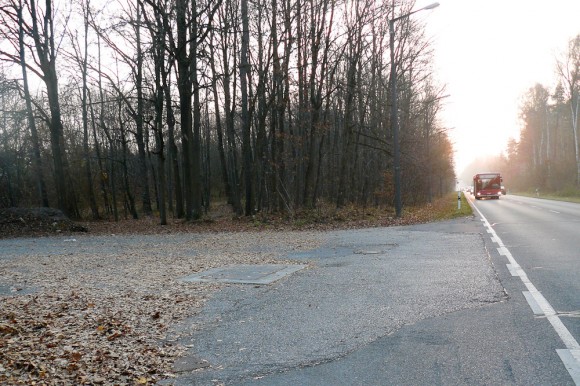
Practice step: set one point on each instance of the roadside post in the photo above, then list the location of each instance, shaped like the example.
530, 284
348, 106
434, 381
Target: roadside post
458, 195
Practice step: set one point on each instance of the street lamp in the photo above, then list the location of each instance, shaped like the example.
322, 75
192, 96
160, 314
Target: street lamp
394, 116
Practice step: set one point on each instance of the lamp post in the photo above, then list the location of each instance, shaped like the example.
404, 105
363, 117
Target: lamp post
394, 116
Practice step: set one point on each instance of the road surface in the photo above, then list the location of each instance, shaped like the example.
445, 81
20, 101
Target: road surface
541, 243
491, 299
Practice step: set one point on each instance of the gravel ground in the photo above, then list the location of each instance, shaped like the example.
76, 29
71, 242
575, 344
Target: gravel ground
82, 309
93, 303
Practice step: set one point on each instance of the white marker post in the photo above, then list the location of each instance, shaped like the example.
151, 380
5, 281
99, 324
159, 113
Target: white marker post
458, 195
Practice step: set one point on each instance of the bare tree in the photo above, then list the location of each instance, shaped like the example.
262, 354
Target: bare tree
569, 70
81, 57
156, 28
42, 31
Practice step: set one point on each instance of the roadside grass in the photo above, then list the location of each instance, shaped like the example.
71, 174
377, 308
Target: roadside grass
352, 216
567, 195
444, 208
449, 207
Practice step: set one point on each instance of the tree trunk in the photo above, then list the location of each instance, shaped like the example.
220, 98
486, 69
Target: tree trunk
85, 117
173, 152
229, 111
43, 195
46, 52
184, 86
139, 136
246, 124
196, 190
158, 36
218, 124
574, 107
112, 177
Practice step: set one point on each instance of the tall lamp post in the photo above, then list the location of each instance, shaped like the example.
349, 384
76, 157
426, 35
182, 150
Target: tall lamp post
394, 116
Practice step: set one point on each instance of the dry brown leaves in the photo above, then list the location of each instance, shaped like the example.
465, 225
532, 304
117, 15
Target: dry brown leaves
103, 316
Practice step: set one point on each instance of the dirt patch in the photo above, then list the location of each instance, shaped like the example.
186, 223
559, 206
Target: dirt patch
18, 222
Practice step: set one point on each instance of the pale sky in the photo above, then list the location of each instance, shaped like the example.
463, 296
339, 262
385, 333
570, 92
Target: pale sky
489, 53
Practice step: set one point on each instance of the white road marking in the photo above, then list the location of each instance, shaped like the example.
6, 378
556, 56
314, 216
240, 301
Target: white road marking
554, 211
541, 306
536, 309
512, 270
571, 358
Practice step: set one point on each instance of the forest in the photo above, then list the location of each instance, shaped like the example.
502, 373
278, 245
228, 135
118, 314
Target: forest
546, 156
133, 108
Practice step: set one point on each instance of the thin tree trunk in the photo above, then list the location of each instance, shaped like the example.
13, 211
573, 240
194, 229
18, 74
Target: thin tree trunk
173, 152
575, 129
219, 129
128, 193
246, 135
140, 137
112, 177
102, 173
229, 111
85, 117
196, 190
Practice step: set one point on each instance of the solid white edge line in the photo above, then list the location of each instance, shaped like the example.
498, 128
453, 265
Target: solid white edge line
572, 354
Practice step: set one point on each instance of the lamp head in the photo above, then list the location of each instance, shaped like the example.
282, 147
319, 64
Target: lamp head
431, 6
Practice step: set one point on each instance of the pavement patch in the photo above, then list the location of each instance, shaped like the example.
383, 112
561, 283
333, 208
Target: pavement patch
245, 274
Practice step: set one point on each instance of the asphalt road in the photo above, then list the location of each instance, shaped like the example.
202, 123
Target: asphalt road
542, 237
429, 304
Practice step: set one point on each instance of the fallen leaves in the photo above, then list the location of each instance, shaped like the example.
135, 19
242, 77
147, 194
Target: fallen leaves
103, 307
76, 345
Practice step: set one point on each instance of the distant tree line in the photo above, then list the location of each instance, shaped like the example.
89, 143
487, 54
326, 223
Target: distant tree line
547, 154
159, 106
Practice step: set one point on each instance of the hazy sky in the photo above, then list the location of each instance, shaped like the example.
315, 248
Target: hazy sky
489, 53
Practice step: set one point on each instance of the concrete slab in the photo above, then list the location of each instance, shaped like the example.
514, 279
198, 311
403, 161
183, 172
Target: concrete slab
245, 274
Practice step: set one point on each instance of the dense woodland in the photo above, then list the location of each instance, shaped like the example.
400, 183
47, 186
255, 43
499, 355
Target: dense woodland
546, 156
158, 107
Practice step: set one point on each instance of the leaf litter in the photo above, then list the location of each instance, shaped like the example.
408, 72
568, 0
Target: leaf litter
103, 318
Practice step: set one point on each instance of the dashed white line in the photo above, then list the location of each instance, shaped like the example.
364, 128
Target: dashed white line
540, 306
536, 309
570, 359
554, 211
